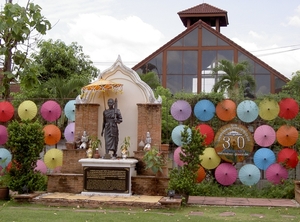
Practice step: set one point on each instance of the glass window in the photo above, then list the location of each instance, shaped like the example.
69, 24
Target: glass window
210, 39
225, 55
174, 83
191, 39
262, 84
190, 62
207, 84
208, 59
260, 70
242, 57
189, 84
279, 83
174, 62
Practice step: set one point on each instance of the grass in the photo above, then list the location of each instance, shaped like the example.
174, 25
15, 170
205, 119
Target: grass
11, 211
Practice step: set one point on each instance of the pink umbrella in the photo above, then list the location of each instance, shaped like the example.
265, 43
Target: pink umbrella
177, 159
41, 166
3, 135
226, 174
69, 132
276, 173
264, 135
50, 110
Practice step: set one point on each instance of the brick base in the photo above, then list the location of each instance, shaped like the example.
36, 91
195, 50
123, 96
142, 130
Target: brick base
149, 185
65, 183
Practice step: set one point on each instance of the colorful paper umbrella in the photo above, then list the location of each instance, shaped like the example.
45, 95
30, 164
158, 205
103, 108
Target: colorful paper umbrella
69, 132
264, 135
177, 159
226, 110
27, 110
226, 174
287, 135
6, 111
181, 110
249, 174
289, 108
247, 111
204, 110
176, 134
41, 166
276, 173
53, 158
5, 157
207, 131
52, 134
50, 110
70, 110
263, 158
268, 109
201, 174
3, 135
288, 157
209, 158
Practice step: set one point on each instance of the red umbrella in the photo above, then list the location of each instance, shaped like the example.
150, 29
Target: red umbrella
207, 131
288, 157
50, 110
6, 111
289, 108
276, 173
3, 135
52, 134
287, 135
226, 174
264, 135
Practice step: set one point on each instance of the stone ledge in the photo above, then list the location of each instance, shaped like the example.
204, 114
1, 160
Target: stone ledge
170, 202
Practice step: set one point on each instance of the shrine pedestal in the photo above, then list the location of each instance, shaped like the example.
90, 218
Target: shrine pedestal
108, 176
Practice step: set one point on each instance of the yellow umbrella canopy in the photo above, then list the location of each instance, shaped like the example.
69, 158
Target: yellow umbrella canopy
101, 85
268, 109
27, 110
210, 159
53, 158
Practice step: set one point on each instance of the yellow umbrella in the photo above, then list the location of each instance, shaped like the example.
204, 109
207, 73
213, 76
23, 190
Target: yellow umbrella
27, 110
268, 109
101, 85
210, 159
53, 158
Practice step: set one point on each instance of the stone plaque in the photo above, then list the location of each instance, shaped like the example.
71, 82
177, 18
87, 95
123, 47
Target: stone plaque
106, 179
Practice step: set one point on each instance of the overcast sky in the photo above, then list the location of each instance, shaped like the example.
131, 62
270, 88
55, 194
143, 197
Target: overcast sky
134, 29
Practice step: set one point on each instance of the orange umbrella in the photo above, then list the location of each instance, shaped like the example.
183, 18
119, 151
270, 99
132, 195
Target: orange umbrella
200, 174
226, 110
287, 135
268, 109
52, 134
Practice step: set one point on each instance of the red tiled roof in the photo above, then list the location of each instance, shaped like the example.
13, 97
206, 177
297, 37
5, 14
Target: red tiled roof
202, 9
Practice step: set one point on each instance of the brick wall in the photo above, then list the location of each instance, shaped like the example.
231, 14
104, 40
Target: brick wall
70, 160
149, 120
149, 185
65, 183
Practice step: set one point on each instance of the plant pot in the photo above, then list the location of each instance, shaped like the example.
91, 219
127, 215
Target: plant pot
164, 147
96, 154
4, 193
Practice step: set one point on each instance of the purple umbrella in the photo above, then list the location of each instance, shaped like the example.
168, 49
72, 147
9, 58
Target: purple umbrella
226, 174
3, 135
181, 110
69, 132
50, 110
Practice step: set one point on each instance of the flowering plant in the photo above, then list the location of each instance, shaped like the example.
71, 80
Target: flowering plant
154, 160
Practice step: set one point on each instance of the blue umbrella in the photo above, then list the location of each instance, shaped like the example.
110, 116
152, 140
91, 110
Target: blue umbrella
176, 134
204, 110
263, 158
247, 111
70, 110
5, 157
249, 174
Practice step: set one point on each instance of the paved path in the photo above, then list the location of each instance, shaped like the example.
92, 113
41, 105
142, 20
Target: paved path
230, 201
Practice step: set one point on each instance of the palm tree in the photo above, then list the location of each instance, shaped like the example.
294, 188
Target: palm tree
235, 80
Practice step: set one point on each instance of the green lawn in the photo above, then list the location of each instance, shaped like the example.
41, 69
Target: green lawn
11, 211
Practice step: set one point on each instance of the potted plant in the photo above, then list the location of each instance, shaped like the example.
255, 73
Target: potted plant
94, 143
154, 160
125, 146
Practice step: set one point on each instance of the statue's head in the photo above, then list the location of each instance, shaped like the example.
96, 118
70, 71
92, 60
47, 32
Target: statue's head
110, 102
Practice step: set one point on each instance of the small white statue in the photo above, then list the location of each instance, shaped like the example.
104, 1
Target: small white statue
147, 142
84, 140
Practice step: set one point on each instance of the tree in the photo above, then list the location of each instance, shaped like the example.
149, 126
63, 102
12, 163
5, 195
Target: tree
151, 79
292, 87
236, 79
17, 27
56, 59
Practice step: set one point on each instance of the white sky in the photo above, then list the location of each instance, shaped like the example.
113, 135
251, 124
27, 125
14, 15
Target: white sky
134, 29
